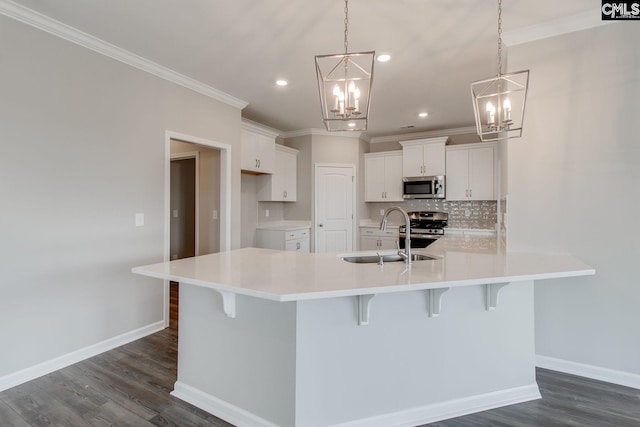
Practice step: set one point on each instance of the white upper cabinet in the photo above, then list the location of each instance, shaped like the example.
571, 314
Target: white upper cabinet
257, 150
383, 177
423, 157
471, 172
281, 186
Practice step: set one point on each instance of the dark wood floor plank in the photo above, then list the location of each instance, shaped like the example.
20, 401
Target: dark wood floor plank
9, 417
567, 400
40, 408
183, 414
112, 415
130, 385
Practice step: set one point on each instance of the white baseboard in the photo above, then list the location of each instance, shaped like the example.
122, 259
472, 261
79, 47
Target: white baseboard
33, 372
450, 409
589, 371
218, 407
411, 417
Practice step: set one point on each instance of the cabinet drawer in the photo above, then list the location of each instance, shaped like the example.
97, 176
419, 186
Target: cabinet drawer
297, 245
296, 234
371, 231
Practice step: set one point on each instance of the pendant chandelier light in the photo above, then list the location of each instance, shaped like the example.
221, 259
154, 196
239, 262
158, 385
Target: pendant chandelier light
499, 102
344, 82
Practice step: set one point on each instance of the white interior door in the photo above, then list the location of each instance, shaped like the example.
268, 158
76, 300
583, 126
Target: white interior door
334, 208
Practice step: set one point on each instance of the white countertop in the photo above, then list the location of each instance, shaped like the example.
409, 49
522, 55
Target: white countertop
284, 225
292, 276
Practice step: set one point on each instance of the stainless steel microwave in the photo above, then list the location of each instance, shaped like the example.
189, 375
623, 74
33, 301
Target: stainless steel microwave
424, 187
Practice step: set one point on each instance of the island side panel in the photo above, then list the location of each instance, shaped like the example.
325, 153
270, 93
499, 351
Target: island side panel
404, 361
247, 361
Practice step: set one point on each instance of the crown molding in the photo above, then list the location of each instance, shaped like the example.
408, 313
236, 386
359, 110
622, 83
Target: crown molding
73, 35
568, 24
421, 135
321, 132
259, 128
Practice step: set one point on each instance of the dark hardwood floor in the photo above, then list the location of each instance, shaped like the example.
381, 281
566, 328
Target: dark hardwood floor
130, 385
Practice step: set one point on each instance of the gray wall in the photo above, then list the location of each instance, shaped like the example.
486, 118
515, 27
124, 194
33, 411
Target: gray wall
87, 148
573, 187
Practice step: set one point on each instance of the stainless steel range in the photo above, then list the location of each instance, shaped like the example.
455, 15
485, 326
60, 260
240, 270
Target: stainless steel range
426, 228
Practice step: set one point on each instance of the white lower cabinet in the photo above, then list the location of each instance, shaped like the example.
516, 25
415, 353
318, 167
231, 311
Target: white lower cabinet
374, 239
283, 239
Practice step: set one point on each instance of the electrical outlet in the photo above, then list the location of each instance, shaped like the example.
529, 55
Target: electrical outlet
266, 213
215, 214
381, 212
139, 220
467, 213
175, 213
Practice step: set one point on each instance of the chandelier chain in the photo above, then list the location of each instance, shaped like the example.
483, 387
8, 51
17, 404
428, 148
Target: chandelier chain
499, 37
346, 25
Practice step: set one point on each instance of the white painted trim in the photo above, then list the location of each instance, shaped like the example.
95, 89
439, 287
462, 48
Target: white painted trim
423, 135
613, 376
321, 132
196, 156
225, 198
44, 368
568, 24
259, 128
42, 22
410, 417
449, 409
218, 407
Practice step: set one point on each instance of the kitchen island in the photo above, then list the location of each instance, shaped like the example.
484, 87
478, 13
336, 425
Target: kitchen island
273, 338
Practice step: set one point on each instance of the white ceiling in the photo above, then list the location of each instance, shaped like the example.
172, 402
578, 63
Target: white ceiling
241, 47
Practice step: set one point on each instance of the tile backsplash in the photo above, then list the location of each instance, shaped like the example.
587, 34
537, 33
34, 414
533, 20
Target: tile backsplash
480, 214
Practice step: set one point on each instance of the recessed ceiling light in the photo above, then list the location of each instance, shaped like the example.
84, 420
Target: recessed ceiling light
383, 57
282, 82
423, 115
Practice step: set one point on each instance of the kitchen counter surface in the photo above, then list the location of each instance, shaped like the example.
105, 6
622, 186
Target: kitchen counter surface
318, 341
290, 276
284, 225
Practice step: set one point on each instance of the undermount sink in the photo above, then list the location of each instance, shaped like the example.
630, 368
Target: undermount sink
374, 259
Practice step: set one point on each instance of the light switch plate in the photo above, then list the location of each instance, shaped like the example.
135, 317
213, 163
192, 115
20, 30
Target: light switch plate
139, 220
215, 214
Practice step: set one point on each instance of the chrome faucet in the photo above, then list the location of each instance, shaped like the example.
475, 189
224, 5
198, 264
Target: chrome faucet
407, 238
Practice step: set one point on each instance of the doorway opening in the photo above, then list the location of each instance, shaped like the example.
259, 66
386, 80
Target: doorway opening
197, 204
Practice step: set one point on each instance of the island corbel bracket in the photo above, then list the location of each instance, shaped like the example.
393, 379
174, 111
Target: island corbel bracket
228, 303
491, 294
434, 301
364, 308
